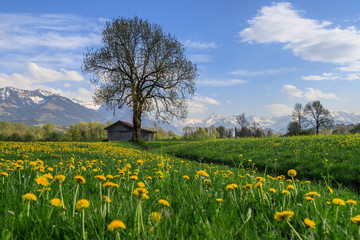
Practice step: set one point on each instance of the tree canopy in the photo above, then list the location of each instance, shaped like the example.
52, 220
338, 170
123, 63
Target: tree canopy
143, 67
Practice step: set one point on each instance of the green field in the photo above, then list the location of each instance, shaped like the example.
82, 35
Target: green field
159, 196
335, 159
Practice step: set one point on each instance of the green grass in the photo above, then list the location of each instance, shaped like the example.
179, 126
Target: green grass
315, 157
193, 213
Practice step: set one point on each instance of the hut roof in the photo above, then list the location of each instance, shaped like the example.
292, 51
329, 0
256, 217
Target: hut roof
129, 125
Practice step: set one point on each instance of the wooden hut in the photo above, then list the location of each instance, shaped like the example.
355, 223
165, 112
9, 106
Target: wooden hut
120, 131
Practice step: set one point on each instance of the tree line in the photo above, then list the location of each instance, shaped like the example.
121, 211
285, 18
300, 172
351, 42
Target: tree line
10, 131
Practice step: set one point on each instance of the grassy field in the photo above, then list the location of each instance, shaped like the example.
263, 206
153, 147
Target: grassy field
333, 159
77, 190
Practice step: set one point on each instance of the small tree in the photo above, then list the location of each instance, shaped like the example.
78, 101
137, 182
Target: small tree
142, 67
293, 129
318, 115
298, 115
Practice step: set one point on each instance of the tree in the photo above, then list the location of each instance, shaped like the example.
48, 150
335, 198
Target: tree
319, 116
293, 129
142, 67
298, 115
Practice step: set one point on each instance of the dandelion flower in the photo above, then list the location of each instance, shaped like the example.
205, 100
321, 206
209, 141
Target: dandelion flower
313, 194
134, 177
43, 181
155, 216
56, 202
59, 178
273, 190
285, 215
219, 200
4, 174
292, 173
116, 225
29, 197
351, 202
330, 190
202, 173
164, 202
80, 179
356, 219
285, 192
258, 185
338, 201
141, 184
81, 204
309, 223
110, 184
290, 187
186, 177
231, 186
100, 178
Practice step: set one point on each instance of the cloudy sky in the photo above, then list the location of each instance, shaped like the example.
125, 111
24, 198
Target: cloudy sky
257, 57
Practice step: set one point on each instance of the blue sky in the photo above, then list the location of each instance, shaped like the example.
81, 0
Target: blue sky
257, 57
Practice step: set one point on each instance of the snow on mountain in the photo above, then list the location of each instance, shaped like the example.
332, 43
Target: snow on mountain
90, 105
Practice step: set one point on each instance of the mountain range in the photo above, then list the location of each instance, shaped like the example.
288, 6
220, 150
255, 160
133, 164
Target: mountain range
40, 106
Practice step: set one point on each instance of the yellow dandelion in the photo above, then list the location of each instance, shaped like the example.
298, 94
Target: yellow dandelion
219, 200
356, 219
110, 184
43, 181
164, 202
155, 216
80, 179
202, 173
284, 215
309, 223
292, 173
330, 190
134, 177
285, 192
116, 225
186, 177
100, 178
273, 190
290, 187
56, 202
313, 194
82, 204
351, 202
29, 197
338, 201
4, 174
59, 178
141, 184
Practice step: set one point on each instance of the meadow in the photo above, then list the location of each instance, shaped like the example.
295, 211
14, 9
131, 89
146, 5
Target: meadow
96, 190
331, 158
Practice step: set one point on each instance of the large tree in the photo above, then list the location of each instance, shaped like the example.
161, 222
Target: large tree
318, 115
143, 67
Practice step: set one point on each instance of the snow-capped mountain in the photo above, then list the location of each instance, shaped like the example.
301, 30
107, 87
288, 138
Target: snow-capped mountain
41, 106
277, 124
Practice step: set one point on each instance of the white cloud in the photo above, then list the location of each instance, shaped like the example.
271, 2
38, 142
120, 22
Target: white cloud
279, 109
352, 77
200, 45
220, 82
244, 72
26, 32
196, 107
292, 90
310, 94
324, 76
200, 58
351, 67
308, 38
203, 99
315, 94
38, 75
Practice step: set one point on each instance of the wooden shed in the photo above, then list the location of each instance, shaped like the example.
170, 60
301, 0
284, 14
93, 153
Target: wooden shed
120, 131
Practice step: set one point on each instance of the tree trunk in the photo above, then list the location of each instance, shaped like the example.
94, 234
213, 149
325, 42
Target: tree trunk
137, 125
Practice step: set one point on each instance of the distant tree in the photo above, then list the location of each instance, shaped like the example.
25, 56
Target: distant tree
293, 129
318, 115
298, 115
29, 136
269, 133
242, 121
222, 132
48, 128
341, 129
356, 128
142, 67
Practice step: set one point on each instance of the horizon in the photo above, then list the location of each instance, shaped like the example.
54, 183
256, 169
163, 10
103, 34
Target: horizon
259, 58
